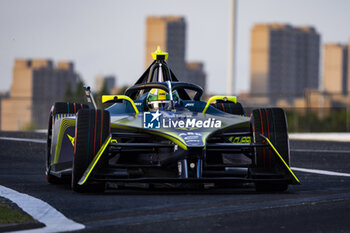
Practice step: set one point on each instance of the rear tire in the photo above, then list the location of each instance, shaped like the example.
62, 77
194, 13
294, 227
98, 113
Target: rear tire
50, 178
92, 129
272, 123
229, 107
57, 108
67, 108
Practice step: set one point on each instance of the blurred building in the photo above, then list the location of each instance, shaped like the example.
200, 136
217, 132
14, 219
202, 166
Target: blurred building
36, 85
169, 32
3, 94
109, 81
315, 99
336, 69
196, 74
284, 61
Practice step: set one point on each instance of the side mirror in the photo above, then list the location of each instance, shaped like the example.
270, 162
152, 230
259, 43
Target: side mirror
117, 99
224, 98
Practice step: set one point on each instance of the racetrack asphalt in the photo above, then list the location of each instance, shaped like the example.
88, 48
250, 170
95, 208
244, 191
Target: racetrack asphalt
320, 204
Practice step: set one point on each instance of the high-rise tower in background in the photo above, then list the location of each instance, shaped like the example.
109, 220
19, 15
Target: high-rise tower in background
105, 81
36, 85
169, 32
284, 61
196, 74
336, 69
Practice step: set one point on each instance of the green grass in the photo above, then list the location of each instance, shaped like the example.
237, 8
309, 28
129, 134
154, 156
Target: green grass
9, 215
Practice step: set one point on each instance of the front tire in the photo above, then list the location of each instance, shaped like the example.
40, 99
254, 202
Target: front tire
272, 123
92, 129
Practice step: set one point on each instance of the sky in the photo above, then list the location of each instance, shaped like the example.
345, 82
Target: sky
108, 36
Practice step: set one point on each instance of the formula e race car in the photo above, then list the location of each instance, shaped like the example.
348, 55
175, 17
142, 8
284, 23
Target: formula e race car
161, 132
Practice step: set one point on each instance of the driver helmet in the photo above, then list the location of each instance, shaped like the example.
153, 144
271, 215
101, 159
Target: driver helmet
158, 99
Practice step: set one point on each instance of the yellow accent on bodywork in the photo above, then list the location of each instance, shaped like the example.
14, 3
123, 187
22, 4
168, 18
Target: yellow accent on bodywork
238, 139
114, 141
94, 161
106, 98
71, 139
65, 123
159, 52
286, 165
224, 98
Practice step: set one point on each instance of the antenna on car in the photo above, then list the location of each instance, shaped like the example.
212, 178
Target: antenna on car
170, 94
89, 97
160, 73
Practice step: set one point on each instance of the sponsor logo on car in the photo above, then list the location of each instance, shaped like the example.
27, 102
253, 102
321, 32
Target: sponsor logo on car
71, 139
151, 120
156, 120
240, 139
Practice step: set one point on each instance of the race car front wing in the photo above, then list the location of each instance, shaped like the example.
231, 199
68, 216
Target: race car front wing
197, 173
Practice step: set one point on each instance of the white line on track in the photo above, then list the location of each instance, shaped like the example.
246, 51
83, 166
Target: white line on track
41, 211
321, 151
322, 172
334, 137
23, 139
